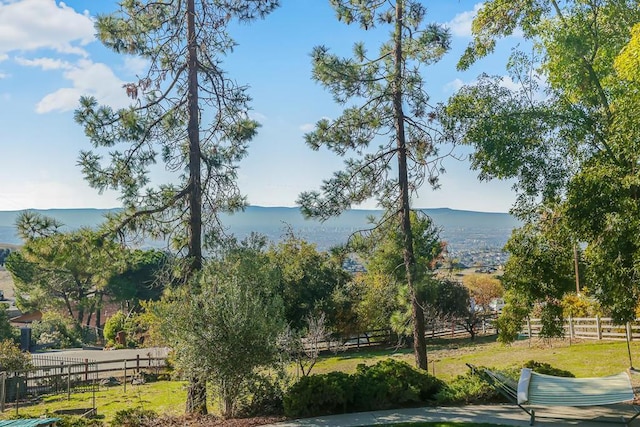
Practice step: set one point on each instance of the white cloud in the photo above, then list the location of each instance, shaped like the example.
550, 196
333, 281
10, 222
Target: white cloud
453, 86
307, 127
87, 78
45, 63
507, 82
3, 57
3, 75
258, 117
135, 65
27, 25
460, 25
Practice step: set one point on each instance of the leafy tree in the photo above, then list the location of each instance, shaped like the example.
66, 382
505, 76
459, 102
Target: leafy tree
12, 359
308, 278
541, 268
65, 271
483, 289
575, 147
628, 62
6, 330
452, 303
382, 252
393, 111
140, 279
187, 113
4, 253
114, 325
375, 300
227, 333
56, 330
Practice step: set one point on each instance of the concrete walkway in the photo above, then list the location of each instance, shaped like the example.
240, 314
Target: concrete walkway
509, 415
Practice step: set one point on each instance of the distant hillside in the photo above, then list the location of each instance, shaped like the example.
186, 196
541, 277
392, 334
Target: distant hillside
458, 227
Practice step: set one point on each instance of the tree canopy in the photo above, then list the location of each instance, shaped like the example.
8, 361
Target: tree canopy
391, 109
186, 114
568, 135
64, 271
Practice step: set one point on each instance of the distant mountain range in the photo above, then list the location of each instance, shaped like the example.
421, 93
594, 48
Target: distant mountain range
459, 228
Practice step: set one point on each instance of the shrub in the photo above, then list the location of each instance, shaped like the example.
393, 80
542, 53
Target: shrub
391, 383
55, 331
547, 369
387, 384
70, 421
12, 359
322, 394
133, 417
468, 389
113, 325
266, 397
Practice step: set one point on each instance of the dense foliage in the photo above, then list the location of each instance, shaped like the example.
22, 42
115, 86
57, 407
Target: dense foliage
307, 279
11, 358
186, 116
569, 143
226, 333
389, 122
387, 384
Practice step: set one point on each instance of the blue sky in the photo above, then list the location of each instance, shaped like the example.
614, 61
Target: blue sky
49, 57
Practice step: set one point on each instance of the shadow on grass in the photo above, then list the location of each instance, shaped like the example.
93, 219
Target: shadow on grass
435, 344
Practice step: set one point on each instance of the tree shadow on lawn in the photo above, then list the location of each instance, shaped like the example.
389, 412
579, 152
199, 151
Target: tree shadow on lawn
433, 345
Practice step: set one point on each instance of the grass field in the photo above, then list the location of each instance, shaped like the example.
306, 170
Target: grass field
447, 357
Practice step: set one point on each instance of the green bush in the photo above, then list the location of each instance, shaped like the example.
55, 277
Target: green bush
545, 368
55, 331
134, 417
113, 325
71, 421
266, 397
12, 359
322, 394
387, 384
391, 383
468, 389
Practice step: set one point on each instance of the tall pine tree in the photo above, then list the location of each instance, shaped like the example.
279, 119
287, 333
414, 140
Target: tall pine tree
186, 113
390, 108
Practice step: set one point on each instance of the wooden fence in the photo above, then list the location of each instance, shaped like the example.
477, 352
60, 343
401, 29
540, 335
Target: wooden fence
593, 328
58, 375
384, 337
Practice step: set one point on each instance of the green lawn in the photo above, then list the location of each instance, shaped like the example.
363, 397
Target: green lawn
163, 397
447, 357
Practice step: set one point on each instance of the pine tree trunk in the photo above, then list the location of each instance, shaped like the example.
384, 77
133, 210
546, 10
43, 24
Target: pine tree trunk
417, 312
197, 390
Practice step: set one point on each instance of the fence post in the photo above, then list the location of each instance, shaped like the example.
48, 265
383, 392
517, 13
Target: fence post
571, 333
3, 378
599, 327
125, 375
529, 327
69, 381
629, 334
137, 363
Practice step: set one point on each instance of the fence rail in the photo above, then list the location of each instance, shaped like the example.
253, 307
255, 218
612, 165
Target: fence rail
594, 328
58, 375
384, 337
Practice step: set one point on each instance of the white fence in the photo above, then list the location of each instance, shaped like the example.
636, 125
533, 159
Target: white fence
595, 328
